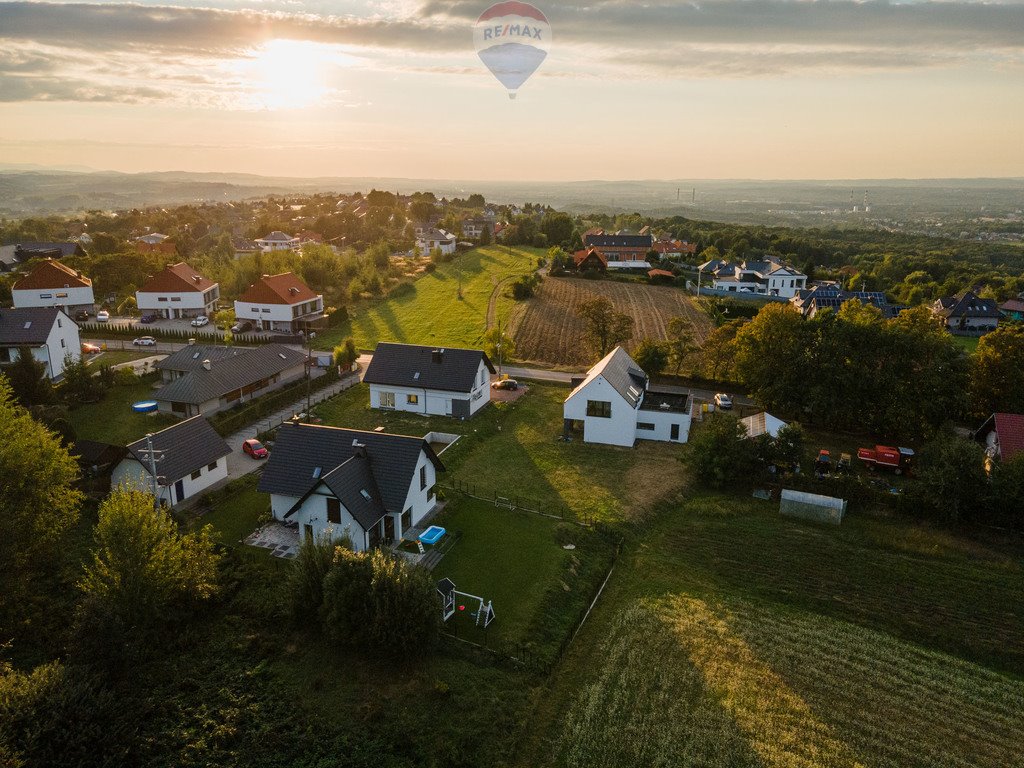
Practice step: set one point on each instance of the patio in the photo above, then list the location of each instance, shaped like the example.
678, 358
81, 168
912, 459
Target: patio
281, 540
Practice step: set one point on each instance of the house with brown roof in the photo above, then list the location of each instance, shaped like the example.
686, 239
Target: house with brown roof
1012, 309
176, 292
280, 303
1002, 435
52, 284
589, 258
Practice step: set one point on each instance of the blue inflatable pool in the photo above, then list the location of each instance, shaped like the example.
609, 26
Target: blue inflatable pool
432, 535
145, 406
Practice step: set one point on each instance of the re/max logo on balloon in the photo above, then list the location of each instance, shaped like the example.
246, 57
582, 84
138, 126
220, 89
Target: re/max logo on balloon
512, 30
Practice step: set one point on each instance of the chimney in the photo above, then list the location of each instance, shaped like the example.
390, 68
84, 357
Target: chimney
206, 364
437, 356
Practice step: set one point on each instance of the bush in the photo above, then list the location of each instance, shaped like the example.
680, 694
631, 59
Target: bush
430, 268
125, 377
402, 289
306, 577
720, 453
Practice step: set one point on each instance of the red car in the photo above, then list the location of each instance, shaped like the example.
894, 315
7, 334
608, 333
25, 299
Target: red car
255, 449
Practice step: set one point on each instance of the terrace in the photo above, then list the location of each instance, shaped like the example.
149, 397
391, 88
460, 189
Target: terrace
665, 402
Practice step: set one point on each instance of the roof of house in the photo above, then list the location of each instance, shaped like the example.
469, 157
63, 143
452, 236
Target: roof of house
1009, 428
619, 241
966, 304
94, 453
191, 357
580, 256
410, 365
29, 325
177, 278
285, 288
619, 370
762, 423
182, 448
277, 236
352, 482
435, 234
28, 250
229, 374
1013, 305
659, 273
242, 244
51, 274
300, 450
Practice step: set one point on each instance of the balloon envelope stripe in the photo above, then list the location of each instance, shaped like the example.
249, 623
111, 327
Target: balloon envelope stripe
512, 9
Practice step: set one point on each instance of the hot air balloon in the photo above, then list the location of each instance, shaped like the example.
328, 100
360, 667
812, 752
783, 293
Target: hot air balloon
512, 40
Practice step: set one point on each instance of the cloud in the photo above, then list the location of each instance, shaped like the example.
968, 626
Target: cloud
182, 52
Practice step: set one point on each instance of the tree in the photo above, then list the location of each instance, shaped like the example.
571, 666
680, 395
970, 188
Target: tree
951, 479
28, 380
651, 356
345, 354
38, 500
720, 453
558, 228
789, 446
485, 236
1008, 491
679, 343
128, 307
79, 385
476, 201
604, 327
996, 381
143, 571
307, 573
492, 339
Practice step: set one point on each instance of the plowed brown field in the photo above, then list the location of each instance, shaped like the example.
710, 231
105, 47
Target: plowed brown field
546, 329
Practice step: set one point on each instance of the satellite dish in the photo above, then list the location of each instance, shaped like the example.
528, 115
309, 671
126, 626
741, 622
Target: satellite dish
512, 40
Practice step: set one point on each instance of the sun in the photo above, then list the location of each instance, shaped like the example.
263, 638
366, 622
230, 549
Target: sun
289, 74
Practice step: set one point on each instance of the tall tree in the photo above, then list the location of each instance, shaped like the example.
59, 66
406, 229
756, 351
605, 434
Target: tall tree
651, 356
679, 343
997, 381
28, 380
720, 453
604, 327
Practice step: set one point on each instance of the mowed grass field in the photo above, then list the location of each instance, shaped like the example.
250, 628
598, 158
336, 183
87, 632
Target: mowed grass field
546, 329
433, 313
732, 637
113, 421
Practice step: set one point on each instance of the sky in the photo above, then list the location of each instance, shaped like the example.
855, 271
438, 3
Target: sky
748, 89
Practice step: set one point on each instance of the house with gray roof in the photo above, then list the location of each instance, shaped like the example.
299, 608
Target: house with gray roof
189, 456
434, 381
967, 314
615, 405
204, 380
47, 332
370, 487
769, 277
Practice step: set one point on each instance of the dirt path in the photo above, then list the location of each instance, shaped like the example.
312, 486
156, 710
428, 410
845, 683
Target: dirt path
492, 304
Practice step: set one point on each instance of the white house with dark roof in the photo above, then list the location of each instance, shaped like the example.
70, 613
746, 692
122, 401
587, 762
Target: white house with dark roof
278, 241
178, 291
204, 380
371, 487
280, 303
967, 313
52, 284
190, 457
615, 405
48, 332
433, 381
767, 278
430, 238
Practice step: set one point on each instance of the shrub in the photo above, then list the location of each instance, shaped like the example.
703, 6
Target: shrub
720, 453
402, 289
306, 577
430, 268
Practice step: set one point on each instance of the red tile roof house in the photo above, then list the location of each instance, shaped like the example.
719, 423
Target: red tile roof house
280, 303
590, 258
52, 284
179, 291
1002, 434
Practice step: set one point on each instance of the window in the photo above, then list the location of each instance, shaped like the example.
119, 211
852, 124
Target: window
645, 425
62, 344
387, 399
333, 510
162, 298
62, 296
197, 474
175, 298
60, 325
45, 295
423, 477
265, 311
211, 467
483, 377
599, 408
406, 520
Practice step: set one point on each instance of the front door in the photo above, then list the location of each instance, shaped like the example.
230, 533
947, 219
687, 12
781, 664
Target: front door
179, 491
674, 433
389, 529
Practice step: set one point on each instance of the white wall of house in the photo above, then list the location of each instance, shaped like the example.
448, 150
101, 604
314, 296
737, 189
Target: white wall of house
275, 317
618, 429
657, 425
420, 499
131, 473
277, 245
69, 299
178, 304
428, 244
432, 402
62, 342
185, 410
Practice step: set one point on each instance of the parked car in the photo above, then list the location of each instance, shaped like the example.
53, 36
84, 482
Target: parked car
255, 449
144, 341
242, 326
723, 401
81, 315
200, 321
103, 316
147, 319
89, 349
510, 384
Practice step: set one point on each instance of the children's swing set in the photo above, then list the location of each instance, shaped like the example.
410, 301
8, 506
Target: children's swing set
482, 616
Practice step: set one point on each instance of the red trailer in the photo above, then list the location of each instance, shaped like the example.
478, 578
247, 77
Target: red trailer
885, 457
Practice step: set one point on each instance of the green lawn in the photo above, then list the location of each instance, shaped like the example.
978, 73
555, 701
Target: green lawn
433, 313
116, 357
504, 556
969, 343
113, 421
237, 513
731, 636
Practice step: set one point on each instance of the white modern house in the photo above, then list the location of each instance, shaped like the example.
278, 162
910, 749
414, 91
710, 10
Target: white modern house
614, 405
176, 292
429, 239
189, 457
153, 238
48, 332
280, 303
429, 380
766, 278
52, 284
371, 487
277, 241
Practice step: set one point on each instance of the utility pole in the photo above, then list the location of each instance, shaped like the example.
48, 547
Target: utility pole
309, 367
151, 454
499, 350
